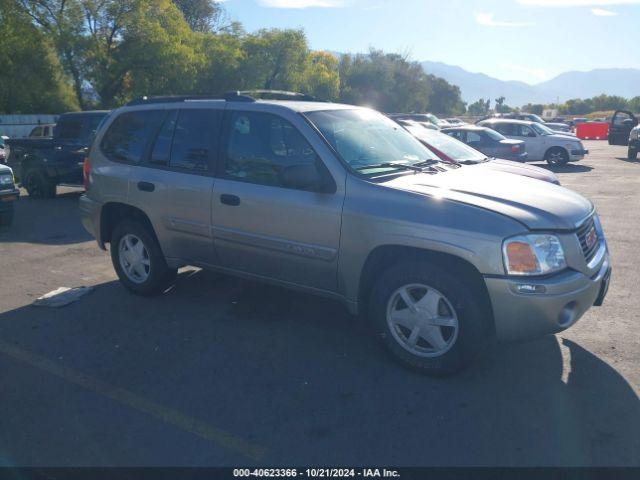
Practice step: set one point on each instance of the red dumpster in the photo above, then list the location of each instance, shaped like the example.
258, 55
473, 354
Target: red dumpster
592, 131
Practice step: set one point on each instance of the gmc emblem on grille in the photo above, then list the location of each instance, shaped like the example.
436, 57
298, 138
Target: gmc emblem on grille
591, 238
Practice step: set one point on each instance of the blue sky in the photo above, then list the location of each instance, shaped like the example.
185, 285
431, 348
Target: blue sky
528, 40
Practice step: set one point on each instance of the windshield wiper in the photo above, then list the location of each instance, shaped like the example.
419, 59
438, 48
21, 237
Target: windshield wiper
398, 165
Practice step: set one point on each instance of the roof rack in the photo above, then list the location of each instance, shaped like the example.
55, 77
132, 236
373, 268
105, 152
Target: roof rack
237, 96
277, 95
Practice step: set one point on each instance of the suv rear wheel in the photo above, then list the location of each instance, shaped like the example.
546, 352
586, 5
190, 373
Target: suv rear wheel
138, 259
38, 185
429, 319
557, 156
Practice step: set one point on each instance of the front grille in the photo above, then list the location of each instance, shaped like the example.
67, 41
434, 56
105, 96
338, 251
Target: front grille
586, 230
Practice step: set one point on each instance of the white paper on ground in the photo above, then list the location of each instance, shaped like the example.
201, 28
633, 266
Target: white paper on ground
62, 296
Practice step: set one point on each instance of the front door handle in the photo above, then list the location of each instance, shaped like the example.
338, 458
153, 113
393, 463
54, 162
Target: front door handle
231, 200
146, 186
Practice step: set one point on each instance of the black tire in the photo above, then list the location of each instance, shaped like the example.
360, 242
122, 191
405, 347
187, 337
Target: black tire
160, 276
632, 154
475, 332
557, 156
6, 217
38, 185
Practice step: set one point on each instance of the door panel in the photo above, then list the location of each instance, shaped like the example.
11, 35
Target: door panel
179, 207
289, 235
171, 157
620, 127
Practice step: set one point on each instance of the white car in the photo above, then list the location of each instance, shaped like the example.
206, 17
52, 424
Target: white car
542, 142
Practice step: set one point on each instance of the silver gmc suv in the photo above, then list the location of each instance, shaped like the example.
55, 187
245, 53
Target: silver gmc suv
340, 201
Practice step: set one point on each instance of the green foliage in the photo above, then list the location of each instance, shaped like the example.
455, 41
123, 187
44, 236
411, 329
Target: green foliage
386, 82
109, 51
578, 106
445, 99
31, 77
535, 108
479, 108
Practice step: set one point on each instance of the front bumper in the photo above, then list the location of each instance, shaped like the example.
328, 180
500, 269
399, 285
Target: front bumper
567, 297
90, 211
7, 197
575, 155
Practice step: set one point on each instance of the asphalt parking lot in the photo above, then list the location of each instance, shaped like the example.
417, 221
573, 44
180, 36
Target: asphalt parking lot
221, 371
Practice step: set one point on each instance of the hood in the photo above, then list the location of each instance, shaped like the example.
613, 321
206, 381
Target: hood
564, 136
538, 205
524, 169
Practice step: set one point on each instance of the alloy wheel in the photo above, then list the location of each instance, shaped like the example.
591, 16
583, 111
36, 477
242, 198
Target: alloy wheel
422, 320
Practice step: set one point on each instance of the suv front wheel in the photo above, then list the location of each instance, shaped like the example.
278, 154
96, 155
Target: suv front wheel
429, 319
138, 259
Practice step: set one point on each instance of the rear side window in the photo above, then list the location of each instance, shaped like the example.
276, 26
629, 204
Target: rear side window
195, 139
188, 140
69, 129
261, 146
504, 128
129, 135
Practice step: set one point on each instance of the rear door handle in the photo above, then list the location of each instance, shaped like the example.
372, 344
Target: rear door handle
146, 186
231, 200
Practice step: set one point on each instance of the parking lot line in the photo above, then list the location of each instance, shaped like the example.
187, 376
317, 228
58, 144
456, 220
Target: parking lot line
132, 400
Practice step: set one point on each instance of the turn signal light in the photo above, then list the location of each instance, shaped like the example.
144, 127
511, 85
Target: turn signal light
521, 257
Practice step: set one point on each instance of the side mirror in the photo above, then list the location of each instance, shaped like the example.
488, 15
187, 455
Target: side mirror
302, 177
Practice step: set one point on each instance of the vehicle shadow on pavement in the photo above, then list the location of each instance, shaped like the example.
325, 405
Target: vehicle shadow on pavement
628, 160
298, 375
54, 221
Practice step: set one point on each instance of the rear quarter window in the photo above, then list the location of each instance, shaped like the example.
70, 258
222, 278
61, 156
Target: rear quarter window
129, 136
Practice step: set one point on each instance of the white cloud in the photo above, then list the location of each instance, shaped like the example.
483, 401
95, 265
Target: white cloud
487, 20
601, 12
577, 3
301, 3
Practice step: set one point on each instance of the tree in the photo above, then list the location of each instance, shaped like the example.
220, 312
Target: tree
387, 82
31, 77
634, 104
445, 99
275, 59
480, 108
62, 21
321, 77
535, 108
205, 15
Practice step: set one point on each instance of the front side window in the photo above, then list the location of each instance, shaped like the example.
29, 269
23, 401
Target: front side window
365, 139
261, 146
130, 134
524, 131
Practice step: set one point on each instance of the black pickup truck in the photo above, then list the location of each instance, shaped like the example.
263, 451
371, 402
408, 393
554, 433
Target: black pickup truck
42, 164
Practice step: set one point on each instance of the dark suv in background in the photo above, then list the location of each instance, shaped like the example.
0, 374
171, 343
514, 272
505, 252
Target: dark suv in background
40, 164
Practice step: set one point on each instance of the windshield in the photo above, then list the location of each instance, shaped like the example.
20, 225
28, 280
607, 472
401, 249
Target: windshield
542, 129
365, 138
536, 118
452, 148
494, 135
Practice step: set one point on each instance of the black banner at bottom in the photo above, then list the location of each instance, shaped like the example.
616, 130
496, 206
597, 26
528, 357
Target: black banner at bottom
405, 473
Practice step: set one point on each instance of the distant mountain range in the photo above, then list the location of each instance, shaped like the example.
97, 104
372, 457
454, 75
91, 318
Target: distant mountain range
612, 81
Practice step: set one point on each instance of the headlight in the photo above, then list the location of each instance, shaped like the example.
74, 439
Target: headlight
6, 179
533, 255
